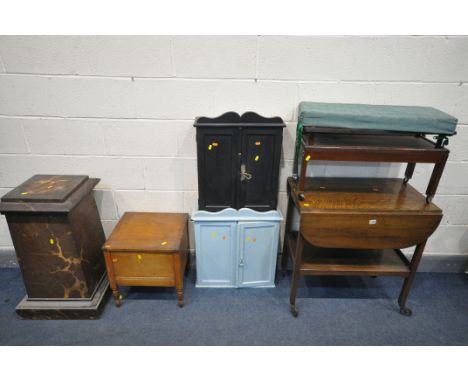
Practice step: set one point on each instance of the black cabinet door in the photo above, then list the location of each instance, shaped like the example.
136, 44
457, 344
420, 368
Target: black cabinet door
238, 161
259, 168
218, 163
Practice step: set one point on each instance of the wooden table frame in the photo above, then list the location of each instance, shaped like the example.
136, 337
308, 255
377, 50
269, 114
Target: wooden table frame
294, 247
422, 150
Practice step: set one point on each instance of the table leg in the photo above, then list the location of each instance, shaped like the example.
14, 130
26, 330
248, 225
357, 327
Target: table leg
434, 181
409, 280
287, 229
303, 177
409, 172
296, 274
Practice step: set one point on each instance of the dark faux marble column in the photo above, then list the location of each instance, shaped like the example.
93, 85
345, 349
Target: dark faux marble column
58, 235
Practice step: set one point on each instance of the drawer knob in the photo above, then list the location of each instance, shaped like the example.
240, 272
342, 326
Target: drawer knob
139, 257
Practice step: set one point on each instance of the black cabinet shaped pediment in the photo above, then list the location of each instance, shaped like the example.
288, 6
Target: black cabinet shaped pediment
238, 161
234, 119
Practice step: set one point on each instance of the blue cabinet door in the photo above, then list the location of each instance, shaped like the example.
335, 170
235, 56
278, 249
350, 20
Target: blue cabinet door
257, 252
216, 254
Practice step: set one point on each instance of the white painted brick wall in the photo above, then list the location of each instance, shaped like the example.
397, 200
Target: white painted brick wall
122, 109
459, 145
64, 136
173, 98
2, 66
363, 58
161, 138
170, 174
115, 172
215, 56
163, 201
137, 56
41, 54
108, 226
132, 56
106, 204
264, 97
12, 140
93, 97
26, 95
5, 238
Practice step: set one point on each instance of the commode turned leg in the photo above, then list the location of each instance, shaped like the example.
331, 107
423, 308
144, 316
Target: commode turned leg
111, 277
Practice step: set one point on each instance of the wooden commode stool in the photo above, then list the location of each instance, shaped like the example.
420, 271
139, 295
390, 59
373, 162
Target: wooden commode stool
147, 249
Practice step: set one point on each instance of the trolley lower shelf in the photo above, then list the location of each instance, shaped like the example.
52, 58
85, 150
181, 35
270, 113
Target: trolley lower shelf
349, 262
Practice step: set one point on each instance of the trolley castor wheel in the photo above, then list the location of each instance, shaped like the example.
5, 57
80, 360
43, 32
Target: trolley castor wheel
429, 198
406, 311
294, 311
406, 180
301, 197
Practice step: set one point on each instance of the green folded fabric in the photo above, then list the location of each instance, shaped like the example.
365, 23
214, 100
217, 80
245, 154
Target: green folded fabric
413, 119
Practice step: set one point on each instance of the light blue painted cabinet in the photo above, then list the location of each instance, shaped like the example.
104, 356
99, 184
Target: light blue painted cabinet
215, 253
236, 248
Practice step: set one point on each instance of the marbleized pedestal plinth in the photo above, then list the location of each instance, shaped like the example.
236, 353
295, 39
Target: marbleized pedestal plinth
58, 235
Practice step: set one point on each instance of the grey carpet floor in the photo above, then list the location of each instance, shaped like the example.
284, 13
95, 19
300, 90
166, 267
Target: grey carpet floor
332, 311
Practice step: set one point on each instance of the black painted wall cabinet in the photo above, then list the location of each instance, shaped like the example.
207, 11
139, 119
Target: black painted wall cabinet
238, 161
